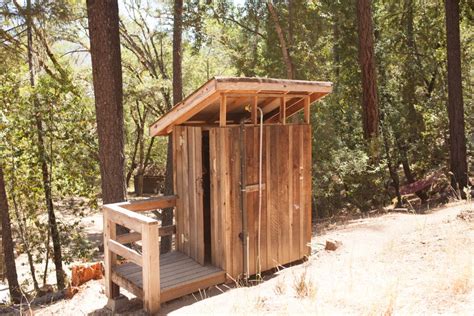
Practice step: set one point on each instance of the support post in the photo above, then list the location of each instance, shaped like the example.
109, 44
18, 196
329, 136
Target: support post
306, 110
254, 110
223, 111
283, 110
112, 290
151, 267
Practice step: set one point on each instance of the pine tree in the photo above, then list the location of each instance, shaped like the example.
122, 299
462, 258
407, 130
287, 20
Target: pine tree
107, 79
370, 110
7, 244
457, 136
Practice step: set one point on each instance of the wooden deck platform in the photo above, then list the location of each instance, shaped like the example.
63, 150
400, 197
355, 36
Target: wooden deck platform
179, 275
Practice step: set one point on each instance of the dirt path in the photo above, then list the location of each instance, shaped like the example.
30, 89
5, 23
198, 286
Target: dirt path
395, 263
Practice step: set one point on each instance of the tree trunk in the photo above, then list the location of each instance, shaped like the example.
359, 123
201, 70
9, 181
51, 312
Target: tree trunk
336, 50
291, 26
457, 137
290, 72
133, 163
409, 174
177, 52
148, 152
7, 244
23, 232
45, 274
57, 255
392, 169
414, 118
141, 166
167, 216
370, 110
2, 257
107, 78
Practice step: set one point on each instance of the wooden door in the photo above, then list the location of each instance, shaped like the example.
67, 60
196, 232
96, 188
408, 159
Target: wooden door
226, 216
285, 219
187, 173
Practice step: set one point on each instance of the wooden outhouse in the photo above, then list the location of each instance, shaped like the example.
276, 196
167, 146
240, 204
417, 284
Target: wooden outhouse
242, 183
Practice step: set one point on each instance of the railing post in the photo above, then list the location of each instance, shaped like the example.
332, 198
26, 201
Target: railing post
111, 289
151, 267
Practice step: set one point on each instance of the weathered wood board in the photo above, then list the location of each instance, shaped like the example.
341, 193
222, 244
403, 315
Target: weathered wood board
179, 275
226, 217
285, 219
187, 175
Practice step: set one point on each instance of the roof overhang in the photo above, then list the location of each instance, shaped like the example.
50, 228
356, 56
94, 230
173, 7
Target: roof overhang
202, 107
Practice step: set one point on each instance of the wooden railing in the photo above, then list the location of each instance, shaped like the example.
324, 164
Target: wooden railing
141, 228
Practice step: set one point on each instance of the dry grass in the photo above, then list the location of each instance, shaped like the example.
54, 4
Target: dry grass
386, 303
463, 284
304, 285
460, 274
260, 303
396, 264
280, 286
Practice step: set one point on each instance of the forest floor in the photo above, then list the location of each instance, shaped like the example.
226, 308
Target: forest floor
389, 264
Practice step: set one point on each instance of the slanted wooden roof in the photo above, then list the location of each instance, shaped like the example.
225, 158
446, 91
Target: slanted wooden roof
202, 107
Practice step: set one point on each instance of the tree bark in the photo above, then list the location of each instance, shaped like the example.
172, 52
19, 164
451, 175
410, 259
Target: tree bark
177, 51
107, 79
290, 72
2, 257
370, 110
457, 137
291, 26
141, 166
140, 121
21, 230
148, 152
336, 49
7, 244
167, 216
392, 169
57, 255
133, 163
414, 119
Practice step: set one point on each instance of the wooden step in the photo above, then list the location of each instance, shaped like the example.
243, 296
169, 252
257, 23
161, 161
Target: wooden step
179, 275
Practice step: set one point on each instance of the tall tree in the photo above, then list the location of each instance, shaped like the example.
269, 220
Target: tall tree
177, 51
7, 243
457, 137
290, 71
370, 109
410, 74
107, 79
57, 254
414, 119
167, 218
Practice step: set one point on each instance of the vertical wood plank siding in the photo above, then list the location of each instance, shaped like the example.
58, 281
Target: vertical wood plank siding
187, 154
286, 205
226, 217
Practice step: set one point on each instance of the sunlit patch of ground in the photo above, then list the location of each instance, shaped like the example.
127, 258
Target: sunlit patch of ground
396, 263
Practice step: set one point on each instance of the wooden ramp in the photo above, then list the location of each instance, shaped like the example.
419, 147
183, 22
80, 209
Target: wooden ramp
179, 275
